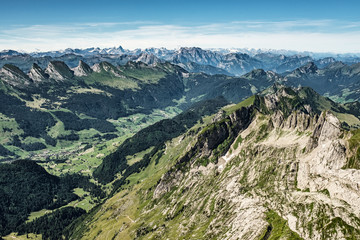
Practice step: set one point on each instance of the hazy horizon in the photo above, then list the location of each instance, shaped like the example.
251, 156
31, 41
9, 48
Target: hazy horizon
321, 26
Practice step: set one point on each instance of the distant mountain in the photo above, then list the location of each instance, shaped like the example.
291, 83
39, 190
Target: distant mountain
337, 80
43, 108
59, 71
231, 61
37, 74
82, 69
14, 76
95, 97
200, 68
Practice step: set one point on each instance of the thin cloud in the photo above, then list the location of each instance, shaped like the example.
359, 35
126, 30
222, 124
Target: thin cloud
301, 35
113, 24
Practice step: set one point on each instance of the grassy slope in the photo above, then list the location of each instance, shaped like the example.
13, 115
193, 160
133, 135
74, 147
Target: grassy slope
107, 79
87, 160
137, 195
110, 77
135, 198
105, 224
145, 75
247, 102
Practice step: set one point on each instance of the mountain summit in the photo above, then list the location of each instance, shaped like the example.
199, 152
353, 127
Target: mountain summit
59, 71
82, 69
14, 76
37, 74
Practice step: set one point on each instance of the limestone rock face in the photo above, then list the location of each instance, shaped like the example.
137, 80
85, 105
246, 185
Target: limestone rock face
107, 67
150, 59
169, 180
37, 74
219, 116
59, 71
82, 69
14, 76
207, 142
258, 171
296, 171
322, 167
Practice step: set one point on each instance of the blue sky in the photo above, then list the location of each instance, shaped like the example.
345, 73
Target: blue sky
320, 26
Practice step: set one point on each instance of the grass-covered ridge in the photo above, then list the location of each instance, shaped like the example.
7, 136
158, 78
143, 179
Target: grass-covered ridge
154, 135
247, 102
191, 205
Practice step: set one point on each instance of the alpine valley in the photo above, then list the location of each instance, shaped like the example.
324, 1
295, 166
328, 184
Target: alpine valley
179, 144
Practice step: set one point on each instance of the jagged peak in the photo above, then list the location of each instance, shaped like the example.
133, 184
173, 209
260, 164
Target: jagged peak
136, 64
335, 65
241, 56
189, 49
355, 68
13, 69
148, 58
10, 53
108, 68
256, 73
59, 71
82, 69
276, 87
82, 64
310, 67
283, 90
328, 59
289, 99
37, 73
106, 64
14, 76
103, 66
57, 64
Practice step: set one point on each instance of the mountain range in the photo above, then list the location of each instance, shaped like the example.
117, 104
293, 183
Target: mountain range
94, 97
192, 59
275, 166
178, 144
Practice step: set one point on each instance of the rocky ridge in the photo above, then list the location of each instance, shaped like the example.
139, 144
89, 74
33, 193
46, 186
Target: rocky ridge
37, 74
274, 166
14, 76
306, 183
59, 71
82, 69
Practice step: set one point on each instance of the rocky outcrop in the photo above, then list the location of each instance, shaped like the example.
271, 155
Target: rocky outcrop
292, 166
59, 71
108, 68
37, 73
219, 115
82, 69
222, 132
272, 169
149, 59
309, 68
14, 76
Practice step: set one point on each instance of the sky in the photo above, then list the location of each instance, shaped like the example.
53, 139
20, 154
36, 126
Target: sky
317, 26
